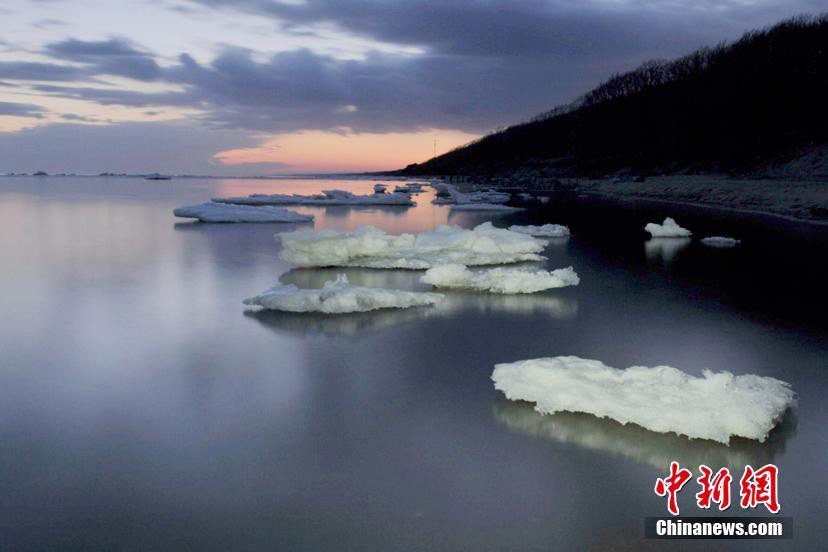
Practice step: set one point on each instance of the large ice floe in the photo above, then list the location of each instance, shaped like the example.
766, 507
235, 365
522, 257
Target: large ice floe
339, 296
668, 229
661, 399
720, 241
327, 197
217, 212
499, 280
371, 247
544, 231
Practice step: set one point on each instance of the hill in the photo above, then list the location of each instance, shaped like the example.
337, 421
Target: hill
751, 107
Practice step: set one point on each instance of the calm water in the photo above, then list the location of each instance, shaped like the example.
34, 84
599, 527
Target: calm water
142, 407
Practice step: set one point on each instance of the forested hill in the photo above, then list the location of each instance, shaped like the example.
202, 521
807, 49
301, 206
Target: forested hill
732, 108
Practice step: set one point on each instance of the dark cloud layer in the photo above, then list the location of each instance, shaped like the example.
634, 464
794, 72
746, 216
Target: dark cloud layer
485, 63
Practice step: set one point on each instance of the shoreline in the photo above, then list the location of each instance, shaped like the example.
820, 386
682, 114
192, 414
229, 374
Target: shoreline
702, 205
798, 201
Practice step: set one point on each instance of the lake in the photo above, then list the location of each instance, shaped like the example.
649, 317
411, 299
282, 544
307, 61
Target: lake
142, 406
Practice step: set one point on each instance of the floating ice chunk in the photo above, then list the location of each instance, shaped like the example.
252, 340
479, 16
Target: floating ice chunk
499, 280
545, 231
411, 188
370, 247
340, 297
668, 229
483, 207
661, 399
720, 241
327, 197
217, 212
379, 188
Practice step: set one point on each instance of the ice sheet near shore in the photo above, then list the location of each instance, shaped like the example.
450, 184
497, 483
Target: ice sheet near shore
661, 399
484, 207
668, 229
217, 212
340, 297
499, 280
720, 241
327, 197
456, 197
545, 231
370, 247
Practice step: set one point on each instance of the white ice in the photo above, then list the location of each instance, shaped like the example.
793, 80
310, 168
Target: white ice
545, 231
499, 280
668, 229
340, 297
720, 241
483, 207
327, 197
661, 399
456, 197
217, 212
371, 247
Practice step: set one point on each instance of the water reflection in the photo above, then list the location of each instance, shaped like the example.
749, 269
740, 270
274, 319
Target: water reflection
275, 227
664, 249
634, 442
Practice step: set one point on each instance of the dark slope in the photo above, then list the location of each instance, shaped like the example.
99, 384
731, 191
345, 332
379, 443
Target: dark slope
734, 108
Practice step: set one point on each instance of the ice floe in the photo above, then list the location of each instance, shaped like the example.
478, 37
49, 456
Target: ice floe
371, 247
449, 194
499, 280
668, 229
327, 197
339, 296
662, 399
545, 231
720, 241
484, 207
217, 212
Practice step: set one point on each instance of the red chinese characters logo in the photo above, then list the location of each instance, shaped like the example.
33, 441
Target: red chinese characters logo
672, 484
755, 487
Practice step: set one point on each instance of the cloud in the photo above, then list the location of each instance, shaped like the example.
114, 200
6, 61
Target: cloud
113, 57
21, 110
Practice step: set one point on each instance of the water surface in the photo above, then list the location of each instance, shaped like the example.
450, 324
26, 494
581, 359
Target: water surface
142, 406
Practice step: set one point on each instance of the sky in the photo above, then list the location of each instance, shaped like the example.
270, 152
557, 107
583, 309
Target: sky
251, 87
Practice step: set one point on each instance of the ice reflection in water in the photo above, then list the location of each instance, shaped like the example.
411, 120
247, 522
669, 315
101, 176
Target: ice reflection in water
634, 442
664, 249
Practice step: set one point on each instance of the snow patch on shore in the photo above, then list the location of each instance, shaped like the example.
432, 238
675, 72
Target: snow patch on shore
371, 247
662, 399
499, 280
217, 212
668, 229
339, 296
545, 231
